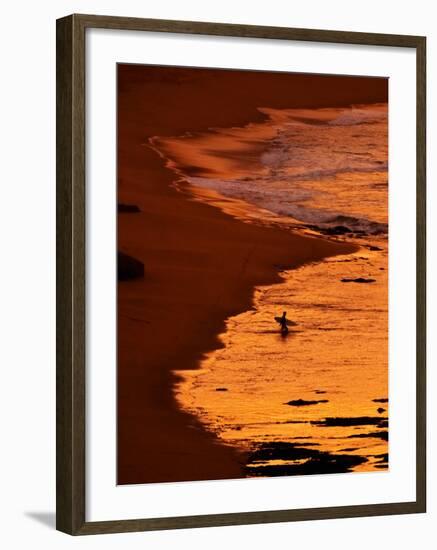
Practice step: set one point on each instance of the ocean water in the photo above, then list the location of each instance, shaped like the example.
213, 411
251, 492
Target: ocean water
315, 401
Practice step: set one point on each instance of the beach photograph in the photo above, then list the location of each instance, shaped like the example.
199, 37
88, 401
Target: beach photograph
252, 274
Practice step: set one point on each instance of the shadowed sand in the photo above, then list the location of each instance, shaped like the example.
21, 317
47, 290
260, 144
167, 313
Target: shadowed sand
200, 267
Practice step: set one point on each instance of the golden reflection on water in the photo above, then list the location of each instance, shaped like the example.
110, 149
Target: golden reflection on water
336, 357
337, 352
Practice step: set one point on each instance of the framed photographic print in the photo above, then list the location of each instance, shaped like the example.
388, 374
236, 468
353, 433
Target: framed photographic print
240, 274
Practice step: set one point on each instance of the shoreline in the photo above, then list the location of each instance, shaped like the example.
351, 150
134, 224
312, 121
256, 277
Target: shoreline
267, 421
201, 266
251, 253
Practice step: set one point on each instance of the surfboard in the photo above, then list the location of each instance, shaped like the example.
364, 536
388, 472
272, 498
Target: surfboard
288, 322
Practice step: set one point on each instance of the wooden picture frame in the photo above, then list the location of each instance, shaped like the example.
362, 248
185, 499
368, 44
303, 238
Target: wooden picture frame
71, 254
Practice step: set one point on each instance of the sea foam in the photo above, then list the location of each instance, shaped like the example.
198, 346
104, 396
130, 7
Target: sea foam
321, 167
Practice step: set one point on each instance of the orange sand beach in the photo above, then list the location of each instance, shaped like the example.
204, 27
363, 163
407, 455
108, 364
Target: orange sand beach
201, 265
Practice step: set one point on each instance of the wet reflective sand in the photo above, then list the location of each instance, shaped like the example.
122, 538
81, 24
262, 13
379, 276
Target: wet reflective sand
332, 365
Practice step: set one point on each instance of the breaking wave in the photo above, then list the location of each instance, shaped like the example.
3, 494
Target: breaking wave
321, 167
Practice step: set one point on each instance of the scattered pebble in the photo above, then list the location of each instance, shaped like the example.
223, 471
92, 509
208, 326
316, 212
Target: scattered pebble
303, 402
357, 280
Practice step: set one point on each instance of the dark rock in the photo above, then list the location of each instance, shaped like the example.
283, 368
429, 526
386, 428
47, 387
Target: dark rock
127, 208
307, 461
357, 280
337, 230
312, 227
303, 402
351, 421
379, 435
381, 400
128, 268
380, 410
382, 457
319, 391
221, 389
280, 450
375, 248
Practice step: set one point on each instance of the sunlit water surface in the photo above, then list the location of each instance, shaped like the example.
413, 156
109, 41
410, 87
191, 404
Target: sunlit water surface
310, 171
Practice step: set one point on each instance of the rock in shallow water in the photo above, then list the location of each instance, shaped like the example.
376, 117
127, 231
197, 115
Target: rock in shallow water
357, 280
337, 230
303, 460
127, 208
128, 268
303, 402
378, 435
352, 421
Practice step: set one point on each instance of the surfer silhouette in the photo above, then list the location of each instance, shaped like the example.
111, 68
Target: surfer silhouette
283, 321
